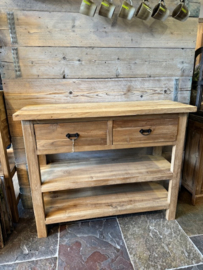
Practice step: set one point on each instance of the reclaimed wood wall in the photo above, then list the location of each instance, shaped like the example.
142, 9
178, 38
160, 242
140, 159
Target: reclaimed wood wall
66, 57
201, 12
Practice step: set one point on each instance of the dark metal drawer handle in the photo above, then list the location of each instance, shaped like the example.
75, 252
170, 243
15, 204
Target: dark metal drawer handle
145, 132
72, 136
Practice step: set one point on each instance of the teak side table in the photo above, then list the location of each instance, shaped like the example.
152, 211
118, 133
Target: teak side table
68, 191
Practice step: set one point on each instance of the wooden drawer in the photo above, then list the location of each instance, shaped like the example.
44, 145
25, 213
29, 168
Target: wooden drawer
129, 131
53, 136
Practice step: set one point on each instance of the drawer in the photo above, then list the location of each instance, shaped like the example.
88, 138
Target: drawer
152, 129
53, 136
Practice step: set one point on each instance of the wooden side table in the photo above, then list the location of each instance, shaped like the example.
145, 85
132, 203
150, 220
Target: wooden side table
73, 191
192, 178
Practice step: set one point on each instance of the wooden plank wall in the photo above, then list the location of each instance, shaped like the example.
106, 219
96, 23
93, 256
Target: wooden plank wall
201, 12
66, 57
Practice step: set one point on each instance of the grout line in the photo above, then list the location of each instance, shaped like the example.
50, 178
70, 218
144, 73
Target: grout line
125, 243
190, 240
57, 253
184, 267
39, 259
195, 235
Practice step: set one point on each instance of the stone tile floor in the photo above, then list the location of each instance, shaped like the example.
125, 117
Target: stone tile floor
132, 242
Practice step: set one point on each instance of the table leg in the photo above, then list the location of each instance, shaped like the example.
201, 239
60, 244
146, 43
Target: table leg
34, 177
176, 164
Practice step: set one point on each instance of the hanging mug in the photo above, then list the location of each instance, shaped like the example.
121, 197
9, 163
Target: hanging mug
88, 8
160, 11
144, 11
106, 9
181, 12
127, 11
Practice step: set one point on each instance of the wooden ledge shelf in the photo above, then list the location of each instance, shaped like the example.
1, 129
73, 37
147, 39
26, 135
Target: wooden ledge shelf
95, 202
100, 172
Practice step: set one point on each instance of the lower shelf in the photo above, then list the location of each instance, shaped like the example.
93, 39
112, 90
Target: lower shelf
102, 172
104, 201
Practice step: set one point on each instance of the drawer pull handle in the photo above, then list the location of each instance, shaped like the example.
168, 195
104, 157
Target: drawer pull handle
72, 136
145, 132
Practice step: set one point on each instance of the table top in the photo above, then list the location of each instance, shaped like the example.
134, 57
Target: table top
110, 109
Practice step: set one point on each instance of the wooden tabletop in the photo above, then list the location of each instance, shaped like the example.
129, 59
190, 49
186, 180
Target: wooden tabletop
91, 110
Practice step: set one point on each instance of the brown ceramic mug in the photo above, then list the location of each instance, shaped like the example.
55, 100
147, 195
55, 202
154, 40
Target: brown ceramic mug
160, 11
144, 11
181, 12
88, 8
127, 11
106, 9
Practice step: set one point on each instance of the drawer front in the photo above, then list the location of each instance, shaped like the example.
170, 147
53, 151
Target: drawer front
53, 136
157, 129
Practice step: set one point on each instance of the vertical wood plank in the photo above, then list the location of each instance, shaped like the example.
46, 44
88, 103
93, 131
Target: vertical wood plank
8, 178
1, 237
42, 160
110, 132
35, 177
176, 163
199, 178
157, 151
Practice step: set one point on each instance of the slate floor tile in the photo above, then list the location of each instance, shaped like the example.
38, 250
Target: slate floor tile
47, 264
189, 217
92, 245
23, 244
198, 241
157, 244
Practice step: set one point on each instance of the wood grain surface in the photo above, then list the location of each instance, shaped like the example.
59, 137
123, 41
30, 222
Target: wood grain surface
35, 178
101, 172
69, 63
74, 111
22, 92
69, 6
128, 132
115, 200
57, 29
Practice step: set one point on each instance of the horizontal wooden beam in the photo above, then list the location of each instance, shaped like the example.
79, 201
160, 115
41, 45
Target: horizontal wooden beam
60, 63
20, 92
68, 6
74, 29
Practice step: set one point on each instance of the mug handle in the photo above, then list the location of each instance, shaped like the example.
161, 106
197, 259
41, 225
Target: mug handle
130, 2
